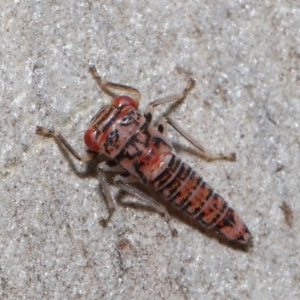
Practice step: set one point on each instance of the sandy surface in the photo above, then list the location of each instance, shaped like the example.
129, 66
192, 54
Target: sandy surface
245, 58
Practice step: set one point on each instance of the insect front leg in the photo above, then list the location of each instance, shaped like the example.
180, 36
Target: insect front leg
123, 182
53, 133
102, 169
173, 98
106, 86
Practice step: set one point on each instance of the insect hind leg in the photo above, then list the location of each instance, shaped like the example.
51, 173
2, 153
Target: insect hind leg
205, 153
123, 182
166, 120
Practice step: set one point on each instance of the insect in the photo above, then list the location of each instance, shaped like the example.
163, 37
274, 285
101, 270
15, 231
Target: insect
140, 152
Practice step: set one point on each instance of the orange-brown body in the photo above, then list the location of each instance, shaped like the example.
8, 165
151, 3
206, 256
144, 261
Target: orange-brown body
124, 135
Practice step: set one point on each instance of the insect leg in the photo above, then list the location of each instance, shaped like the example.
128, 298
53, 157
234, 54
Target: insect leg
173, 98
123, 182
205, 153
53, 133
106, 86
102, 169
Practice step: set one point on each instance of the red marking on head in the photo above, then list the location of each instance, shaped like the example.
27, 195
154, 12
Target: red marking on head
124, 101
90, 139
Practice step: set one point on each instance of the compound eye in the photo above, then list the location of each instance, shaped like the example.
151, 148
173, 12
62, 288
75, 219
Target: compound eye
124, 101
90, 139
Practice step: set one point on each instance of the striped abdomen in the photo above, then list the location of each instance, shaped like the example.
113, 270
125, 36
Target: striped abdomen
188, 192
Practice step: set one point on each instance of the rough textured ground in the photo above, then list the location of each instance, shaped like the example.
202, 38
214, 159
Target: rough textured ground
245, 57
